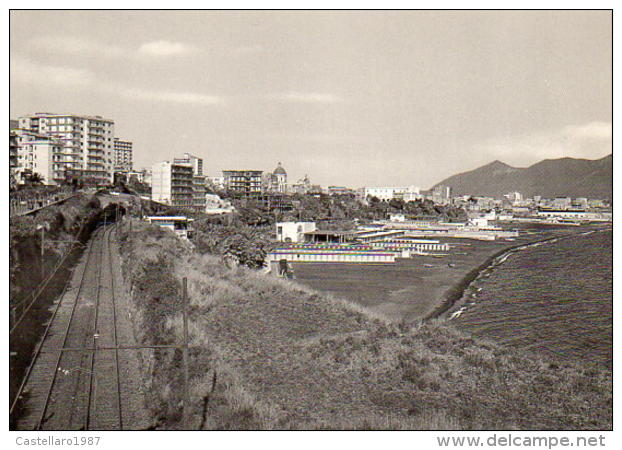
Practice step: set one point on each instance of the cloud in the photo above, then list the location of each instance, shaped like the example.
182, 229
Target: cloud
592, 130
164, 48
74, 45
309, 97
171, 96
26, 71
591, 141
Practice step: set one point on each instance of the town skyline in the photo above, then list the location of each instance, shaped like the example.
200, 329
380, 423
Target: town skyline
249, 89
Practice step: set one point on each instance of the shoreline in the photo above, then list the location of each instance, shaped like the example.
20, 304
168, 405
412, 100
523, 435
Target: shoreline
423, 288
455, 295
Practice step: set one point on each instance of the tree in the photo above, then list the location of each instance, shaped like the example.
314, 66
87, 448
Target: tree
35, 178
396, 203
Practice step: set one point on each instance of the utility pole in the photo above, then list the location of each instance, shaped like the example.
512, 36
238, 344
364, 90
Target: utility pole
186, 412
42, 252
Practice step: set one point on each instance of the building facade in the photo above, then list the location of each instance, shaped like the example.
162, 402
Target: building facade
339, 190
302, 186
441, 194
88, 142
199, 190
41, 154
278, 180
242, 182
172, 184
385, 193
215, 182
13, 149
194, 161
293, 231
123, 155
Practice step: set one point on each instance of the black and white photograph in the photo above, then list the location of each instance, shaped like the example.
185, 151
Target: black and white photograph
311, 220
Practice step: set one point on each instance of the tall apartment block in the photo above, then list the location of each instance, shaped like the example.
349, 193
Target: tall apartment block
87, 140
172, 184
42, 154
13, 149
122, 155
194, 161
199, 190
198, 181
243, 182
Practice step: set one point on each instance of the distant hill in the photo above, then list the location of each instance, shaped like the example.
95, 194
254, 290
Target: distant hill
549, 178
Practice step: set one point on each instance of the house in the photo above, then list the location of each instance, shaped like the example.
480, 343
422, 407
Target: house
293, 231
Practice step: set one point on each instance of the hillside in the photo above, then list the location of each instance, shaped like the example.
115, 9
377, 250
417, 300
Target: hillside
267, 353
549, 178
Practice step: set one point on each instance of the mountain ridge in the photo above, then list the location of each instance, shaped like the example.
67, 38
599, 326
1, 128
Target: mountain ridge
561, 177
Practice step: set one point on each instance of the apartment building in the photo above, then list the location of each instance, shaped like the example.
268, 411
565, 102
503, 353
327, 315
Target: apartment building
13, 149
122, 155
88, 142
215, 182
386, 193
441, 194
41, 154
194, 161
172, 184
243, 182
199, 191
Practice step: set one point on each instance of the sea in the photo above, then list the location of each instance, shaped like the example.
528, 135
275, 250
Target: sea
553, 297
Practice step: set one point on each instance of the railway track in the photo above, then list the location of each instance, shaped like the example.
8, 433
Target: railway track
74, 381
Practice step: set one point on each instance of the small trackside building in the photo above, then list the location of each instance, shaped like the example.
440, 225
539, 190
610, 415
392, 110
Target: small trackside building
293, 231
176, 224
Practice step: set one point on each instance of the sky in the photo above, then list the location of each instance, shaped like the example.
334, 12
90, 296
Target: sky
351, 98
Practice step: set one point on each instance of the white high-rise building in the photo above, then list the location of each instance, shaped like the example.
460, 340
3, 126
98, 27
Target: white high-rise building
194, 161
88, 142
172, 184
41, 154
122, 155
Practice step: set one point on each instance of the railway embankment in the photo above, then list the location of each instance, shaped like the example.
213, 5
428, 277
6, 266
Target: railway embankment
84, 374
267, 353
45, 247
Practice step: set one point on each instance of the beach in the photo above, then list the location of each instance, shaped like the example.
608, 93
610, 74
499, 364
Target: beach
553, 297
421, 287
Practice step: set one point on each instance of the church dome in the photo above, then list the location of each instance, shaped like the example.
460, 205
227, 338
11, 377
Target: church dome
279, 170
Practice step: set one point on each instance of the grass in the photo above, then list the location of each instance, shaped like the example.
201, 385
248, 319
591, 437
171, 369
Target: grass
269, 354
62, 221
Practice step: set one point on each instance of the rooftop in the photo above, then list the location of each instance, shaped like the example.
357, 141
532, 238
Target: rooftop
329, 233
279, 170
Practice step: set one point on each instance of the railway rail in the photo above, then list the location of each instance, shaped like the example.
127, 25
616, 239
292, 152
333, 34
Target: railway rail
74, 381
